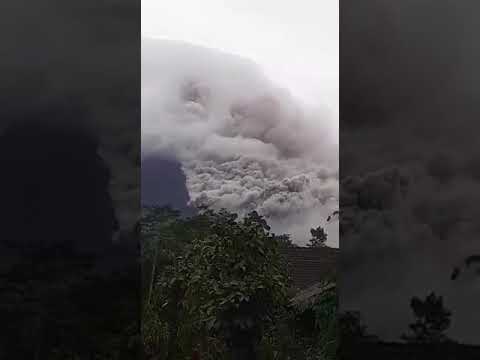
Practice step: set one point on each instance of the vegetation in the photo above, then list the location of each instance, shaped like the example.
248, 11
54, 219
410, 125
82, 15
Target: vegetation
216, 287
319, 237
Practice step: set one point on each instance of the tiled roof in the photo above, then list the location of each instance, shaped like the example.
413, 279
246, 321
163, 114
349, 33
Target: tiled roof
308, 266
305, 298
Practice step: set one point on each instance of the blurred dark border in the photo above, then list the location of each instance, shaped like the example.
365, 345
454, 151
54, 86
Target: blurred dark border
70, 178
408, 179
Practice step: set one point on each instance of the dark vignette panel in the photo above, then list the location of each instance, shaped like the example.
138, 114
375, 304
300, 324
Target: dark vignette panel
409, 275
69, 184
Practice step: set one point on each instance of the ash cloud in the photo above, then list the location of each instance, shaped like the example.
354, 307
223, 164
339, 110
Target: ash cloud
409, 185
56, 60
244, 144
404, 229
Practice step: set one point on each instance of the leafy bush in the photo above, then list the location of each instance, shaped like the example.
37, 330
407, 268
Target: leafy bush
218, 286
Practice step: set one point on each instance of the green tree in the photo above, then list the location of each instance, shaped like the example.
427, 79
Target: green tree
319, 237
158, 243
285, 240
165, 236
216, 284
316, 319
234, 279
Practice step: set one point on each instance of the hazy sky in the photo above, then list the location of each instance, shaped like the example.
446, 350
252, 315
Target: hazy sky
295, 42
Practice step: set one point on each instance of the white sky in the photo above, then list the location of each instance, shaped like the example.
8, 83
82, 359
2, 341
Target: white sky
295, 42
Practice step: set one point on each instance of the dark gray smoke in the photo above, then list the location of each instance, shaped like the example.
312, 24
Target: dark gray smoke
50, 56
408, 100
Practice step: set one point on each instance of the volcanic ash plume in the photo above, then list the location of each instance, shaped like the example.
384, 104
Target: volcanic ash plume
243, 143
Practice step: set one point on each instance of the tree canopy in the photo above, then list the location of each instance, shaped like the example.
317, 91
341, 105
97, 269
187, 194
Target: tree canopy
217, 284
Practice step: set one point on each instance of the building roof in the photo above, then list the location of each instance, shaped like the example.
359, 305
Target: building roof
306, 297
309, 266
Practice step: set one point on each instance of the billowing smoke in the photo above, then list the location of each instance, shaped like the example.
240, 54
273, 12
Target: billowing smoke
87, 67
404, 230
244, 144
409, 100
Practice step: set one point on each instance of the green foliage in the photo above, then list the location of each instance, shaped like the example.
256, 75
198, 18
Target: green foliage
319, 237
285, 241
306, 329
326, 324
161, 230
233, 277
216, 285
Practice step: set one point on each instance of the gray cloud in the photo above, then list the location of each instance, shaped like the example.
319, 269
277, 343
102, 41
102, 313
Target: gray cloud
408, 100
243, 143
403, 232
55, 58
